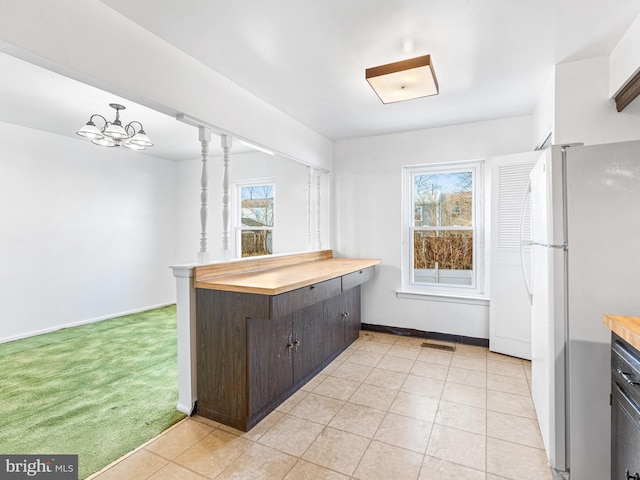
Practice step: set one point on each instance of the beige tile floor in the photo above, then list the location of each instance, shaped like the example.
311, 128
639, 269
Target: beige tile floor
386, 408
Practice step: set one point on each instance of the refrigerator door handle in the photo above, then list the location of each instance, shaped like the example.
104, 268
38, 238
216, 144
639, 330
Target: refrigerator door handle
523, 243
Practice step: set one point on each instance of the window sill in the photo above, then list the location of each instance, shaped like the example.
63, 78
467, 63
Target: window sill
442, 297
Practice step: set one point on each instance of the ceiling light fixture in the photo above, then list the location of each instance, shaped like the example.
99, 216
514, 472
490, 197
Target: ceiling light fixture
113, 134
404, 80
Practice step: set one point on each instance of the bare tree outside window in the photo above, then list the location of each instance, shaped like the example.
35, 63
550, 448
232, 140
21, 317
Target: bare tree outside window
256, 219
443, 226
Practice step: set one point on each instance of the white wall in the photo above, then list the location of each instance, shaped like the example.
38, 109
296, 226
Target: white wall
291, 187
367, 213
87, 232
583, 110
69, 37
624, 61
543, 115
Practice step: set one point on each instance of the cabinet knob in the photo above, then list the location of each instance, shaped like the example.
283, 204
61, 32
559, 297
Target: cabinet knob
631, 477
296, 344
312, 287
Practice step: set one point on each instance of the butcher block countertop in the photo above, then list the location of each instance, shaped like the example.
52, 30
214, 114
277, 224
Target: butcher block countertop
627, 328
276, 275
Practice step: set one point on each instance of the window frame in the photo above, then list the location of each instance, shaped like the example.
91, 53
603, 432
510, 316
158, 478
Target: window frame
237, 226
409, 284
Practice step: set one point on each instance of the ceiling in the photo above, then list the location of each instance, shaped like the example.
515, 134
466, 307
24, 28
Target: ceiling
492, 59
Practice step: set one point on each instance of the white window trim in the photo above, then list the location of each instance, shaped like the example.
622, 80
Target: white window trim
466, 294
236, 212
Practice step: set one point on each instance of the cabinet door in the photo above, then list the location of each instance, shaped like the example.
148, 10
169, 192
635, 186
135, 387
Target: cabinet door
333, 325
307, 340
270, 360
352, 319
625, 435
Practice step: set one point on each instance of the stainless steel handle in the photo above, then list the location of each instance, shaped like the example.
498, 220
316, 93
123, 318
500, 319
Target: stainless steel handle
627, 378
527, 285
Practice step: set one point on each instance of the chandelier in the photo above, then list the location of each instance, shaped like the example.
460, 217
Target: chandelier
113, 134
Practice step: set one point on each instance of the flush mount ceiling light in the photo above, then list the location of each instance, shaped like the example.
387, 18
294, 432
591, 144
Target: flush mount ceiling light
113, 134
405, 80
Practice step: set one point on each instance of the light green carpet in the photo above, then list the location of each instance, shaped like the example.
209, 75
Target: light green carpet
98, 390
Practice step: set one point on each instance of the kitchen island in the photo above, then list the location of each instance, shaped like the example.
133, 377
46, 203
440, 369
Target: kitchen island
266, 326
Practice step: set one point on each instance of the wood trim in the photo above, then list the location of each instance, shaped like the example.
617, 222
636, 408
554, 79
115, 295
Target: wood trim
628, 93
442, 337
423, 61
223, 269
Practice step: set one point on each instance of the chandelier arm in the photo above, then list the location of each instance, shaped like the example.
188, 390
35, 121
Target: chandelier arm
103, 119
129, 126
134, 129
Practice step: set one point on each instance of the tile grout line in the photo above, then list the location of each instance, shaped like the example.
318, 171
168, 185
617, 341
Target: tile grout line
390, 357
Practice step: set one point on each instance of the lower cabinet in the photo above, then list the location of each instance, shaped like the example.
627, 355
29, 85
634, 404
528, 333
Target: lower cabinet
281, 353
341, 322
270, 370
254, 351
307, 348
625, 438
353, 318
625, 410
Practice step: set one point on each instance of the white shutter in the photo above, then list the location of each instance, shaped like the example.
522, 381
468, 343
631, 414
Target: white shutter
512, 185
509, 309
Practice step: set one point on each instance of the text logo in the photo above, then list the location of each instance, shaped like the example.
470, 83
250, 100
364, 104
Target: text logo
39, 467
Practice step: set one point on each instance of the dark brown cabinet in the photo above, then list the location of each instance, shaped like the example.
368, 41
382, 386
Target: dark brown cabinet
307, 348
625, 410
282, 352
341, 322
255, 350
270, 369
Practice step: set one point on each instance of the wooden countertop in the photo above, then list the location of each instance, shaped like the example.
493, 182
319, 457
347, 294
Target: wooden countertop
281, 279
628, 328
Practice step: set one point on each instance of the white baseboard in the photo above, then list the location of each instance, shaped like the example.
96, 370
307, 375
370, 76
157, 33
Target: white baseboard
82, 322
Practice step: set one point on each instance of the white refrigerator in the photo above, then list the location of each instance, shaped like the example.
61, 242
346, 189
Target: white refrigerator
585, 232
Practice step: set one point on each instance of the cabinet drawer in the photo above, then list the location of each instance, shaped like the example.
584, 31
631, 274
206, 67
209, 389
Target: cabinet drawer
356, 278
289, 302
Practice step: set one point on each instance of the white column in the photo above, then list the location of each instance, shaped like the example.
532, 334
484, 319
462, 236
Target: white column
186, 316
205, 139
226, 198
309, 208
318, 211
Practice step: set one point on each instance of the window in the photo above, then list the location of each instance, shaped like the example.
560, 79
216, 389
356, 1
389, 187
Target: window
255, 223
442, 233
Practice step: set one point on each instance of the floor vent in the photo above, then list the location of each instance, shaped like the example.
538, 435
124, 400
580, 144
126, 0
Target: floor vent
439, 346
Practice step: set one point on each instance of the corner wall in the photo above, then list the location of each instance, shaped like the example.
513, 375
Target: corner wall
68, 37
87, 233
368, 210
583, 110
